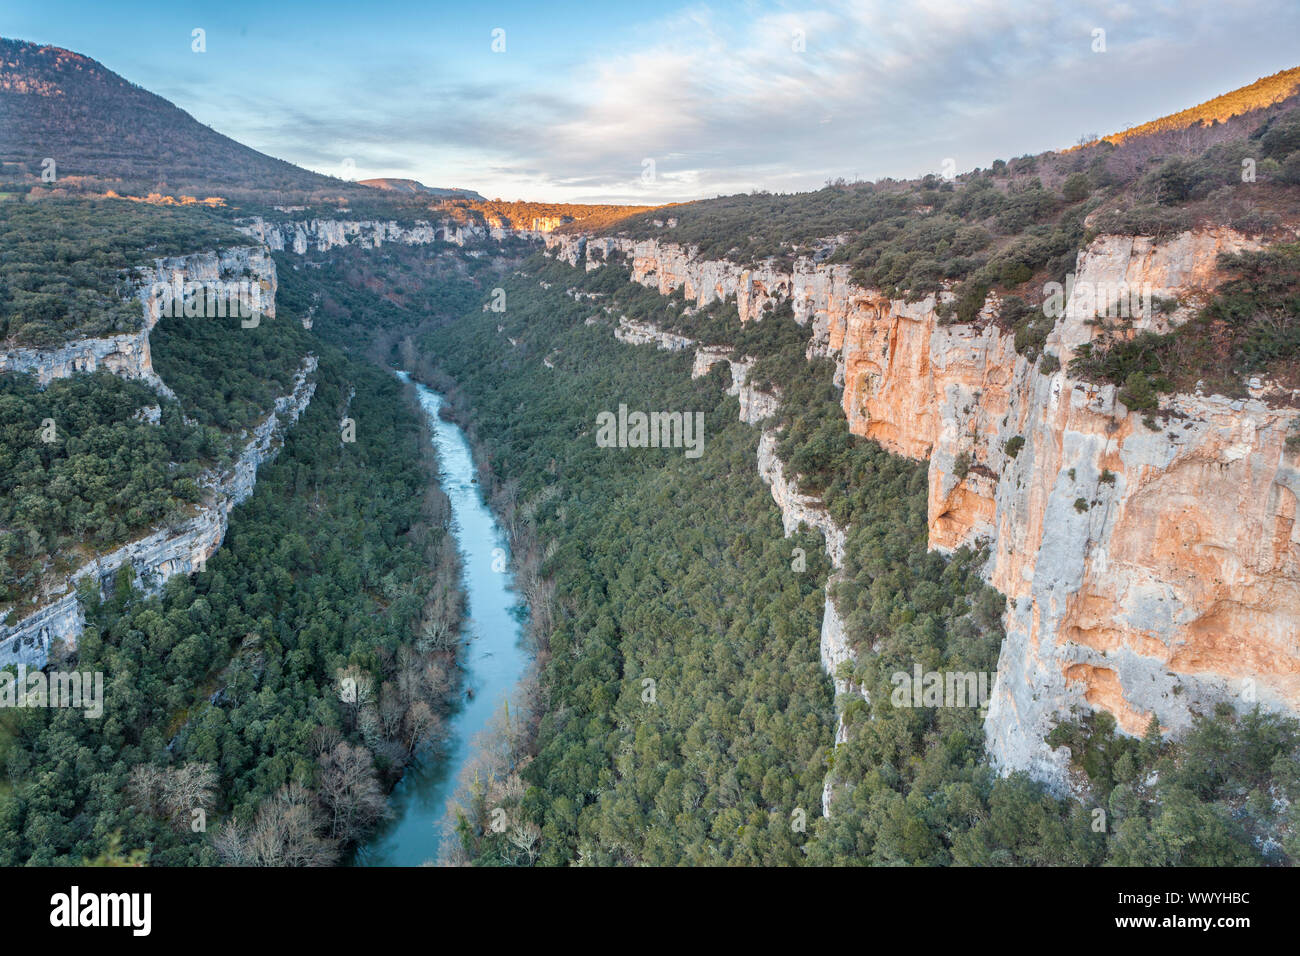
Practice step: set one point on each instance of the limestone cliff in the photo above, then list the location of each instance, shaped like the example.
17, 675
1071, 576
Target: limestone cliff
127, 354
1147, 571
756, 404
175, 549
643, 333
321, 235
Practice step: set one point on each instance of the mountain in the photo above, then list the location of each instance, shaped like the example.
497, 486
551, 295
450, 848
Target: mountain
96, 124
104, 131
413, 187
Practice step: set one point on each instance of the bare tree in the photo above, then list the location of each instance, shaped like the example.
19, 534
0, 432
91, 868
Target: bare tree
422, 724
324, 739
392, 711
527, 838
144, 787
186, 789
233, 844
350, 791
286, 832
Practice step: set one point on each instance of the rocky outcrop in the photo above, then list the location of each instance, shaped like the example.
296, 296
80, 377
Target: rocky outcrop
250, 265
797, 508
321, 235
1148, 571
175, 549
667, 266
127, 354
1184, 265
707, 357
836, 651
756, 404
643, 333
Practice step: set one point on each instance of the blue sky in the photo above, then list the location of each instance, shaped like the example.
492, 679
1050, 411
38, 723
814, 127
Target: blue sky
721, 97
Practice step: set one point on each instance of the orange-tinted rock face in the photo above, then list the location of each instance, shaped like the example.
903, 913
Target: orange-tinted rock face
888, 387
1147, 572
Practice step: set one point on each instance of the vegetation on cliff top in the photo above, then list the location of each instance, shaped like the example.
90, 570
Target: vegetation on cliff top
1250, 327
1020, 223
65, 264
104, 474
1261, 94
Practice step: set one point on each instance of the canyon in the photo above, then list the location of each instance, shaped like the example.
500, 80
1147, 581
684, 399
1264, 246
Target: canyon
796, 508
182, 548
1126, 593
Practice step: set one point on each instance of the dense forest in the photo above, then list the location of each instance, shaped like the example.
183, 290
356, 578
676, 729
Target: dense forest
81, 471
227, 376
64, 263
368, 300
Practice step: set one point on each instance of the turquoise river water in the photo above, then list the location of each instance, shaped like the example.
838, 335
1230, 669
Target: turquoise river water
494, 657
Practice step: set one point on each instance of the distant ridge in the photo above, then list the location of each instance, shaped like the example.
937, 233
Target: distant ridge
414, 187
108, 136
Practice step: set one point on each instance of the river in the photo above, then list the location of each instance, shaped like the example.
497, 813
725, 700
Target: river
494, 657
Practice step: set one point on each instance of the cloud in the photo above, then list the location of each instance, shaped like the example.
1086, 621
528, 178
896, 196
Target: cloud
784, 98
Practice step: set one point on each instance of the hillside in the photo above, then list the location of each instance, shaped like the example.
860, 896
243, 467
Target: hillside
105, 132
541, 216
101, 127
1263, 93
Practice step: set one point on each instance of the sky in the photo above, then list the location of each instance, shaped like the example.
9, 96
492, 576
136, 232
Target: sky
637, 102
